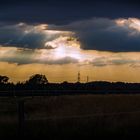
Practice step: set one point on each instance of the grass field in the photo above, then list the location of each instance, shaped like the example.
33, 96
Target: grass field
73, 116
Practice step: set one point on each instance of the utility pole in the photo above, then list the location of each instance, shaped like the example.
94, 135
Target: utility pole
87, 79
20, 104
78, 79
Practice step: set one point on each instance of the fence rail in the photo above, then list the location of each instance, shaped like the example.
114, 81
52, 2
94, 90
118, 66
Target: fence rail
64, 92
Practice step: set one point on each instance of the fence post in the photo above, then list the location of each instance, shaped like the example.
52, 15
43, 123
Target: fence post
20, 108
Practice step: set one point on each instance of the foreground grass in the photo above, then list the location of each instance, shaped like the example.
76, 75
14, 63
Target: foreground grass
69, 116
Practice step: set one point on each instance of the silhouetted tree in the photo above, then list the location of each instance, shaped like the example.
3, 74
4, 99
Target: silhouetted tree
37, 79
4, 79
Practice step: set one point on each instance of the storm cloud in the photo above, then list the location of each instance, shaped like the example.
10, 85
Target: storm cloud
79, 42
103, 34
23, 35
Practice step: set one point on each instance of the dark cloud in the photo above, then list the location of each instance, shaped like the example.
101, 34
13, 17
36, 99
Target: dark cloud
29, 60
61, 61
17, 55
14, 35
28, 56
25, 36
100, 62
100, 34
104, 34
107, 61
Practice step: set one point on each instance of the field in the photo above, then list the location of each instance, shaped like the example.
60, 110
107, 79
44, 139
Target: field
72, 116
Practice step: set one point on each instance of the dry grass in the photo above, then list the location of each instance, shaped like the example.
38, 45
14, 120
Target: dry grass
70, 116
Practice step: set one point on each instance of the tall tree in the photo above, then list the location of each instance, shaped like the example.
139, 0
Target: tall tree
37, 79
4, 79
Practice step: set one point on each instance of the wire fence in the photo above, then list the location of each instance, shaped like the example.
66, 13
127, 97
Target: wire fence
21, 104
86, 116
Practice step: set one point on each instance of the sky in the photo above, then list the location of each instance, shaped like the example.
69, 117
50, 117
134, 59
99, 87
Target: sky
100, 39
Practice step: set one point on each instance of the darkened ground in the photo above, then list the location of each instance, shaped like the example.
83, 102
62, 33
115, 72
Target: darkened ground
68, 117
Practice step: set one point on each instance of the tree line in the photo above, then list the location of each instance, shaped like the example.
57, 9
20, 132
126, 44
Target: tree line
40, 82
